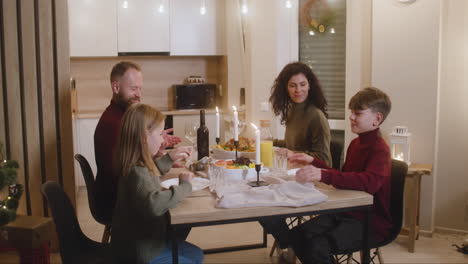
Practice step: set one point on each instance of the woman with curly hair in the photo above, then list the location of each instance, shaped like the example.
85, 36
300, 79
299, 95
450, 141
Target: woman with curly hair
297, 97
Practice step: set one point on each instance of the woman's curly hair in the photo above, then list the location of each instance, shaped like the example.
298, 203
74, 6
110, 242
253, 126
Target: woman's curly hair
280, 100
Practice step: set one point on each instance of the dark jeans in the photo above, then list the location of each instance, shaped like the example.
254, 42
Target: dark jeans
318, 239
278, 228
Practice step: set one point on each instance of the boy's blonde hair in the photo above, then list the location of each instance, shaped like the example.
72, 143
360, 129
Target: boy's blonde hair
132, 148
372, 98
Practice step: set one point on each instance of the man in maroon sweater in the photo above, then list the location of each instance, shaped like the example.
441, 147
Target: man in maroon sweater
126, 83
367, 168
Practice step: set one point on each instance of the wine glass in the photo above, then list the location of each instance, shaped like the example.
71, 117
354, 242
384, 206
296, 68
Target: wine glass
191, 132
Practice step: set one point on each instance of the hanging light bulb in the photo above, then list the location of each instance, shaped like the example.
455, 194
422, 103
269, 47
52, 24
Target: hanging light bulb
161, 8
332, 30
244, 7
288, 4
203, 8
311, 32
125, 4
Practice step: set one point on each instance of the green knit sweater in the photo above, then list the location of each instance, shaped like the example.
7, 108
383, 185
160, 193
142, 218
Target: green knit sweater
307, 131
139, 226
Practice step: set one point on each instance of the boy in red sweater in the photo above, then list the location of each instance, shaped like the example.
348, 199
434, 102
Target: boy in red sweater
367, 168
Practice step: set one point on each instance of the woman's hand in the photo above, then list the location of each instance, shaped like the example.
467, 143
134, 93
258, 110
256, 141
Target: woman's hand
180, 153
169, 140
186, 176
301, 159
308, 174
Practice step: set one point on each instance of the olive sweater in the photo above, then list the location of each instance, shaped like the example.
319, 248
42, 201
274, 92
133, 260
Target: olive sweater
307, 131
140, 222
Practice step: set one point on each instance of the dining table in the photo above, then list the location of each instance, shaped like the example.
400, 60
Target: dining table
199, 209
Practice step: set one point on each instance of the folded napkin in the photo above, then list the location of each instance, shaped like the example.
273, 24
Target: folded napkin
286, 193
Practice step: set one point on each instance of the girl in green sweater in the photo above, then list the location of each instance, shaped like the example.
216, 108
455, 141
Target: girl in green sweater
140, 222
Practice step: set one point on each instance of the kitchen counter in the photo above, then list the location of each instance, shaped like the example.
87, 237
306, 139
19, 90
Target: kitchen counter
166, 111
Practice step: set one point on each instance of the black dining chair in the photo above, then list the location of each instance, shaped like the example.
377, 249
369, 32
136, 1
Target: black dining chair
89, 180
398, 175
75, 247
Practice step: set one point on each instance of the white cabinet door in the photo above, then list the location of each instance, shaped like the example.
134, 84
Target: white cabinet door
93, 27
142, 27
193, 33
84, 145
179, 122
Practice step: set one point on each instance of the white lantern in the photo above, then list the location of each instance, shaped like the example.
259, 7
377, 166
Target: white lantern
400, 144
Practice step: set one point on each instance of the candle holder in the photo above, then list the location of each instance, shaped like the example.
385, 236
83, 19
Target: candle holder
236, 144
258, 182
217, 140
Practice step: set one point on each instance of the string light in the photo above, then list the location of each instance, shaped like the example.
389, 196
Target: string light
125, 4
288, 4
244, 7
311, 32
203, 8
161, 8
332, 30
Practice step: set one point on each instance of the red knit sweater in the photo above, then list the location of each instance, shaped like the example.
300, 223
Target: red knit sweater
367, 168
106, 138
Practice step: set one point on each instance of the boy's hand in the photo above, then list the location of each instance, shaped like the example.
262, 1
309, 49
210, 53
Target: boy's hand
308, 174
300, 158
186, 176
180, 153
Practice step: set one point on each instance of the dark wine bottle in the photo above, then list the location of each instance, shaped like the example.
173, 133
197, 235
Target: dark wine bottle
203, 137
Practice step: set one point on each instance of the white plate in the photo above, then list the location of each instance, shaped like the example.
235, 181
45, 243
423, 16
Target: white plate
197, 183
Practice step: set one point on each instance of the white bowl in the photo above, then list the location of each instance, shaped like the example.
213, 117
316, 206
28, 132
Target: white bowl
224, 154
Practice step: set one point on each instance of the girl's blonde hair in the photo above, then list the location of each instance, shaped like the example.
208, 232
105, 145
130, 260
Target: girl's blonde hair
132, 148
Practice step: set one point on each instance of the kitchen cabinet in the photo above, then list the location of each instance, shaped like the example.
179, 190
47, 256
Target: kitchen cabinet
193, 33
142, 26
83, 140
93, 28
179, 122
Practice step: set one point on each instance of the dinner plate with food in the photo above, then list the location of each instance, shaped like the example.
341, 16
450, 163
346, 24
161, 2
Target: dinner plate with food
236, 170
228, 150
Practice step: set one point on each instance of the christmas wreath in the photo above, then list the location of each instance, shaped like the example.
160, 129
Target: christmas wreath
10, 202
317, 16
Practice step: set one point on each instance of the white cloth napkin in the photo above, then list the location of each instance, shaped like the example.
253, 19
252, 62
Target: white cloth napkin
285, 193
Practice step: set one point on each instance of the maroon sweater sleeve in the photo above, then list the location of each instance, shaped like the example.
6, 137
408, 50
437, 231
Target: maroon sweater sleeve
369, 180
320, 164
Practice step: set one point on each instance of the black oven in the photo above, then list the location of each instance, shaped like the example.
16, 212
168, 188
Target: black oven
195, 96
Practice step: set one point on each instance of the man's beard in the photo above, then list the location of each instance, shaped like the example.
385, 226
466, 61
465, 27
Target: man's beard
127, 102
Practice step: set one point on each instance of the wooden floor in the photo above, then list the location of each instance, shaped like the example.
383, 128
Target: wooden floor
428, 250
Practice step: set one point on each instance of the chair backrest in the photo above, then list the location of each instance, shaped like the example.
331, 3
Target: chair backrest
89, 180
72, 241
336, 149
398, 175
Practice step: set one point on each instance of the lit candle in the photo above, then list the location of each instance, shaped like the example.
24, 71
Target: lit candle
236, 124
217, 122
257, 144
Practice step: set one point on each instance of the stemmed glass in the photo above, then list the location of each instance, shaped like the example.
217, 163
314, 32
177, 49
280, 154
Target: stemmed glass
191, 133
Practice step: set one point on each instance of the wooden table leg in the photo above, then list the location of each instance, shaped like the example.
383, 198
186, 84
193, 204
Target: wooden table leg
414, 212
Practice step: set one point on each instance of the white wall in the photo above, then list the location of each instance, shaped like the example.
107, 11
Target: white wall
452, 152
405, 59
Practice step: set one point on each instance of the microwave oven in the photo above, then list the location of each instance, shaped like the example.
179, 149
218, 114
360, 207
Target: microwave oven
195, 96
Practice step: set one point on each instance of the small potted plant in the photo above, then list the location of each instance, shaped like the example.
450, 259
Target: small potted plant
10, 191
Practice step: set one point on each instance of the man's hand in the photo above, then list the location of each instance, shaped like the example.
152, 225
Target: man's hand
180, 153
308, 174
186, 176
300, 159
169, 140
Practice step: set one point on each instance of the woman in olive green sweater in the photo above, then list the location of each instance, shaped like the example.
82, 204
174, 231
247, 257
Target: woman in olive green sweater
140, 223
296, 96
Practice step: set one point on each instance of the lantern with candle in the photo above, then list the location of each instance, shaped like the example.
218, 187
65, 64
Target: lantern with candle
400, 144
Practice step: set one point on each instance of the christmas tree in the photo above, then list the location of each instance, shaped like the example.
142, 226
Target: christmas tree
10, 191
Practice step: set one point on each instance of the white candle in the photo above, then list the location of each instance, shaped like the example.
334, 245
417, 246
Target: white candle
236, 124
217, 122
257, 144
